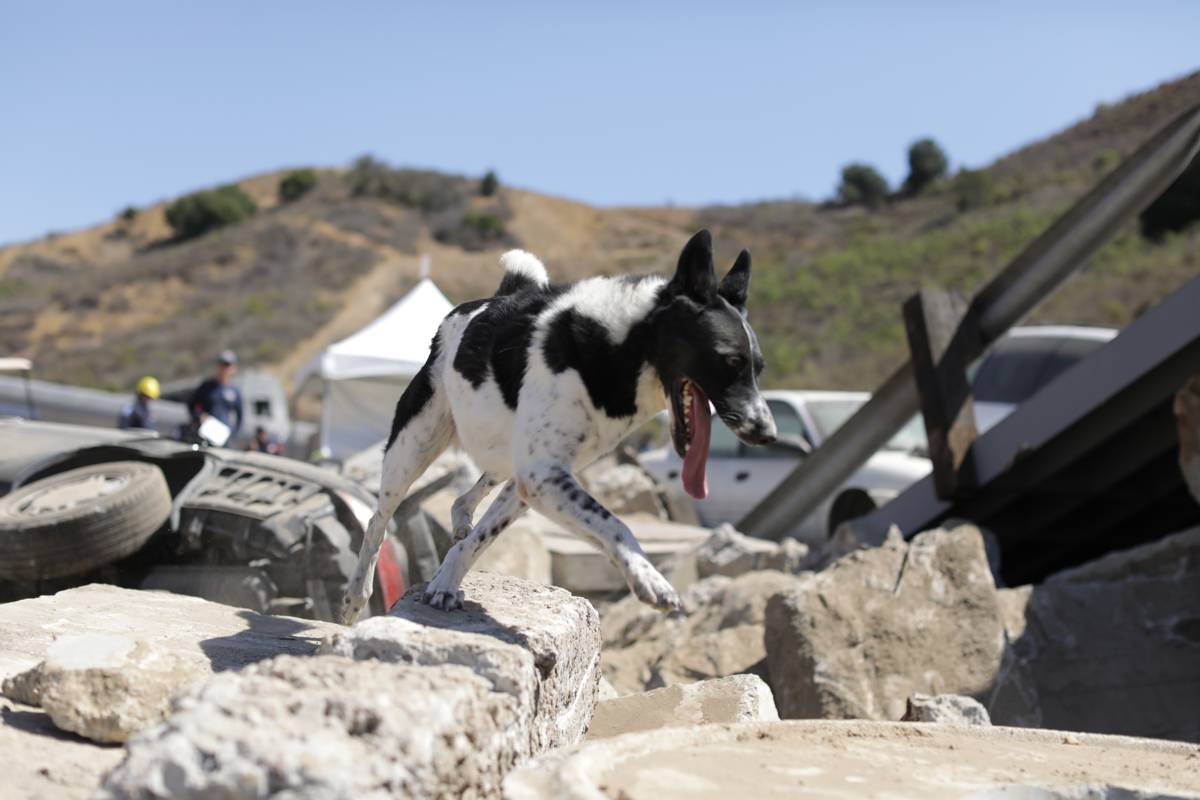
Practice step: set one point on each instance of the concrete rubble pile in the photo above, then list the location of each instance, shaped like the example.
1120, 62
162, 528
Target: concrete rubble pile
720, 633
885, 663
1108, 647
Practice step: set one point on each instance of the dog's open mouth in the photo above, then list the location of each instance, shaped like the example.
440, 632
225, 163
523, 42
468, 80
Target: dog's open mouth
690, 432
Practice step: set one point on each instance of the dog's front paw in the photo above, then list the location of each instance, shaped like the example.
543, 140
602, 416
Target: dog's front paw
442, 591
654, 590
446, 601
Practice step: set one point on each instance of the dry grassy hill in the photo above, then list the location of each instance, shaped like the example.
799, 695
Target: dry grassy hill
104, 305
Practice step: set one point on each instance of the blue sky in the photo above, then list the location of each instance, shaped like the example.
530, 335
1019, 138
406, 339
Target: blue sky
107, 104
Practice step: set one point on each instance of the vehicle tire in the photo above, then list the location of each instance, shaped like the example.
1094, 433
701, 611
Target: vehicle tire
80, 519
849, 504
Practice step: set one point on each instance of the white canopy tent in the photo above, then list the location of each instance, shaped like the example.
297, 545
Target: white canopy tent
365, 373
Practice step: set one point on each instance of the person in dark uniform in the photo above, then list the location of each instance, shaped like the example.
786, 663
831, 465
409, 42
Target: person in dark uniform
263, 442
217, 397
136, 413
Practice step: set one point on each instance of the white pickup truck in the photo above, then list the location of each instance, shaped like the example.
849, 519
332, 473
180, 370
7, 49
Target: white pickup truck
739, 476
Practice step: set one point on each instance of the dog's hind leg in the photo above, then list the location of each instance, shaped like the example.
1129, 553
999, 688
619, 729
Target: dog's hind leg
464, 506
422, 429
442, 591
551, 489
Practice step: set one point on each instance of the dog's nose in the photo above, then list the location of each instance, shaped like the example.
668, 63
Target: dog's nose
762, 436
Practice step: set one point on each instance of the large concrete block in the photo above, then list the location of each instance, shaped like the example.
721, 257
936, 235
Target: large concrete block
223, 637
38, 760
738, 698
856, 640
844, 759
326, 727
537, 644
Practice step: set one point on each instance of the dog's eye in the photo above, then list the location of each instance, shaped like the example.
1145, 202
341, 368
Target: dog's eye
735, 362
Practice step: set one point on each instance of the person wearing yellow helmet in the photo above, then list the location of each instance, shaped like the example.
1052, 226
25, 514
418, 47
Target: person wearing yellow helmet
136, 413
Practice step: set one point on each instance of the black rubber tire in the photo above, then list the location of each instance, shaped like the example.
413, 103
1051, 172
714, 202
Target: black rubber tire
87, 534
850, 504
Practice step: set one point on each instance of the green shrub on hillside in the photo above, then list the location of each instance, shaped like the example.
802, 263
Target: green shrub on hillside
128, 213
1176, 208
927, 162
200, 212
862, 185
474, 230
424, 190
296, 184
972, 188
489, 184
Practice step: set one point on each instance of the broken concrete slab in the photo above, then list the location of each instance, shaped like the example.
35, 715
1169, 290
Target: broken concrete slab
519, 553
859, 759
580, 567
106, 687
728, 552
737, 698
624, 488
221, 636
1114, 646
946, 709
40, 761
537, 644
856, 640
326, 726
720, 633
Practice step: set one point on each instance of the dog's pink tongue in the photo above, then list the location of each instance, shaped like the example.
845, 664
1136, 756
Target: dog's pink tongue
695, 479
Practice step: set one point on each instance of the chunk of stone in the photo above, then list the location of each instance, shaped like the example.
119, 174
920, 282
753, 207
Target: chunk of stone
719, 634
728, 552
624, 488
737, 698
537, 644
106, 687
856, 640
946, 709
1113, 646
326, 727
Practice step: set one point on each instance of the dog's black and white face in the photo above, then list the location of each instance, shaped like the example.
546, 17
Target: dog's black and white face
706, 351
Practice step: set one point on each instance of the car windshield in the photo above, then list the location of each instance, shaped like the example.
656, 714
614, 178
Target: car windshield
829, 415
1018, 367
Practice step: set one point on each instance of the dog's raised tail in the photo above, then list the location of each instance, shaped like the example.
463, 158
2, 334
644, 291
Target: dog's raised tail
522, 270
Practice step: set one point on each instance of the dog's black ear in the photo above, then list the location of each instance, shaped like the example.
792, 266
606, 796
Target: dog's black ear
735, 286
695, 276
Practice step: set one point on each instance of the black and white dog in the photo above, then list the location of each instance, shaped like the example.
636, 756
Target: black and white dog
542, 379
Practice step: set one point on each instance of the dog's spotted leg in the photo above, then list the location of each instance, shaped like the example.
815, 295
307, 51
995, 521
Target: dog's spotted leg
442, 591
552, 490
464, 507
421, 431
